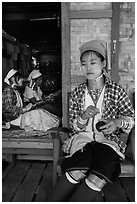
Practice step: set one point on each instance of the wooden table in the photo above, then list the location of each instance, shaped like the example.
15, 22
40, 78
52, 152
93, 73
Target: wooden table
36, 145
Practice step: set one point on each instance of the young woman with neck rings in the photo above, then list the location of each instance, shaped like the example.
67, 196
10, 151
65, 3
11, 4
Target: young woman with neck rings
93, 154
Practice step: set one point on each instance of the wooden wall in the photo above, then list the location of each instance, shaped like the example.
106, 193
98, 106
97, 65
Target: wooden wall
127, 46
93, 20
14, 55
89, 20
110, 21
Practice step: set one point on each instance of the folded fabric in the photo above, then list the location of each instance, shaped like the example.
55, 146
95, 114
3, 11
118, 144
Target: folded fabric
39, 119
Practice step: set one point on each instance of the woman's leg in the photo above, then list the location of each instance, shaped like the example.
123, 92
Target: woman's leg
62, 190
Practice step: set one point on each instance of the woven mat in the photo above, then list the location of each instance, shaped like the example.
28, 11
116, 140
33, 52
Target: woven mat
25, 134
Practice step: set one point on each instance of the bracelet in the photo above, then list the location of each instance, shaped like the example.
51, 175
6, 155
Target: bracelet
124, 124
24, 110
81, 121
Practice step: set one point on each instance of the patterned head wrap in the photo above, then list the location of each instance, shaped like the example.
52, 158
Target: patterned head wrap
95, 45
34, 75
11, 73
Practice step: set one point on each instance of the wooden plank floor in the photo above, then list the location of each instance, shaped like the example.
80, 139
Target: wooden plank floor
29, 181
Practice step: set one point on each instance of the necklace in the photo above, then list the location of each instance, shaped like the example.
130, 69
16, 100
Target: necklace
95, 94
95, 87
96, 83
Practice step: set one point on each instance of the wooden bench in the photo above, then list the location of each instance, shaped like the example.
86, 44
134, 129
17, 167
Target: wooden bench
36, 145
128, 166
39, 145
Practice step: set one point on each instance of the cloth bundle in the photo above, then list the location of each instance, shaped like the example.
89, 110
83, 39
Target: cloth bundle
38, 119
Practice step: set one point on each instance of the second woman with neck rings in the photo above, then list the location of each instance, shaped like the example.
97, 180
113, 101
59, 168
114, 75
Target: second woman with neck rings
33, 91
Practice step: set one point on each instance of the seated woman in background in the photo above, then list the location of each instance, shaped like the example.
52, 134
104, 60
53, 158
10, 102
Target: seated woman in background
12, 104
34, 94
33, 91
15, 114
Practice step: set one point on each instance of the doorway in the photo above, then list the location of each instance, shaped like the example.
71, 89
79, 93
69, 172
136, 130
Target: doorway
32, 29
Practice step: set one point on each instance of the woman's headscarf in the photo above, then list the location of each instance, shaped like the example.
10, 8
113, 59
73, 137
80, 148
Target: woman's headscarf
34, 75
99, 46
95, 45
11, 73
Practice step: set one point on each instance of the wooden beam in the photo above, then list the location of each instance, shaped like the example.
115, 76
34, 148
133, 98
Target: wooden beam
35, 157
27, 16
115, 41
91, 14
29, 145
66, 67
30, 151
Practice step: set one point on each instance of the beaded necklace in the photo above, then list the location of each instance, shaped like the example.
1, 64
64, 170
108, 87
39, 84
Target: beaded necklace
97, 87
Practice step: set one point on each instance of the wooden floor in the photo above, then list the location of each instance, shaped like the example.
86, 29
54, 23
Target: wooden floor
29, 181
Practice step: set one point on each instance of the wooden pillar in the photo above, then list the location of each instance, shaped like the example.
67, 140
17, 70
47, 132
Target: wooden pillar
56, 154
115, 41
66, 68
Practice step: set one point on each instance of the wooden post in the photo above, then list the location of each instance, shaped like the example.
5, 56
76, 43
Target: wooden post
115, 41
56, 154
66, 68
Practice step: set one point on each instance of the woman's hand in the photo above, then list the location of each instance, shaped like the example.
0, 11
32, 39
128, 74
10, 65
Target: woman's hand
90, 112
110, 126
48, 98
28, 107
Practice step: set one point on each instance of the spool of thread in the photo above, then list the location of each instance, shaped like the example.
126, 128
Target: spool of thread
99, 125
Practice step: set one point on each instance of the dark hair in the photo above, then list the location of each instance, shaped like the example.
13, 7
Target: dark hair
17, 75
97, 53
